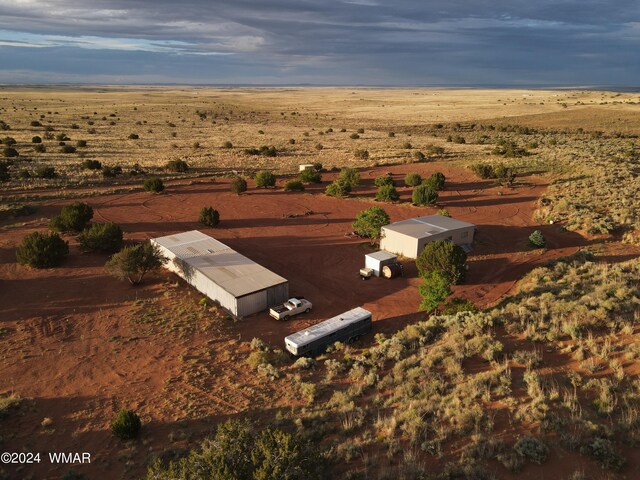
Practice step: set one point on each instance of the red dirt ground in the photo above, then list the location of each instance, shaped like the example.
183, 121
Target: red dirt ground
71, 346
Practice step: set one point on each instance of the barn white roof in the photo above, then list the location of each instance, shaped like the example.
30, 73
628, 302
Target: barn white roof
428, 225
231, 270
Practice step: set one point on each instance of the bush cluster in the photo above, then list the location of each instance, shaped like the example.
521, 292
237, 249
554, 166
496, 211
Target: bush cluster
101, 237
42, 250
209, 216
265, 178
72, 218
126, 425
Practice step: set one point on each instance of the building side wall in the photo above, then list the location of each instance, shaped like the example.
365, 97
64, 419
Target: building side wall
399, 244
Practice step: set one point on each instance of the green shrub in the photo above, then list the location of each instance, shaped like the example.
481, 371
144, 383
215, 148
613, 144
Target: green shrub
444, 212
349, 176
153, 185
10, 152
72, 218
227, 145
134, 262
509, 148
45, 172
532, 449
338, 189
4, 172
436, 181
294, 185
238, 185
384, 180
360, 130
178, 166
126, 425
134, 136
369, 222
209, 216
504, 175
265, 178
8, 141
445, 257
81, 143
68, 149
605, 452
354, 136
101, 237
435, 288
42, 250
317, 166
36, 139
412, 179
407, 145
424, 195
483, 170
35, 123
92, 164
419, 156
536, 239
40, 148
110, 172
239, 451
457, 305
310, 176
361, 154
387, 193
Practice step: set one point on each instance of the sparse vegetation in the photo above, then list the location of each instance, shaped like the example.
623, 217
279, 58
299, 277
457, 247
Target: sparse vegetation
209, 216
178, 166
294, 186
424, 195
132, 263
265, 178
153, 185
310, 176
72, 218
238, 185
127, 425
42, 250
101, 237
369, 222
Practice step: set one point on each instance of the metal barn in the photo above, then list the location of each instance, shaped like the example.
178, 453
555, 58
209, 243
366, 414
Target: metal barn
240, 285
377, 260
409, 237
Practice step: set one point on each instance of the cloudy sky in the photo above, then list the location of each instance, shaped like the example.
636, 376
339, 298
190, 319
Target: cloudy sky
370, 42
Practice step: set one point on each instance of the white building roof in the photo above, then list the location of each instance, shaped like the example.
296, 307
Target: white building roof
381, 255
328, 326
232, 271
426, 226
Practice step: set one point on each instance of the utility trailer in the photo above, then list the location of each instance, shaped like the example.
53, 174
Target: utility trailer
346, 327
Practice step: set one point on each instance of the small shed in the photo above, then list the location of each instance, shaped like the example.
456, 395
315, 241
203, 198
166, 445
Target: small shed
377, 260
409, 237
239, 284
306, 166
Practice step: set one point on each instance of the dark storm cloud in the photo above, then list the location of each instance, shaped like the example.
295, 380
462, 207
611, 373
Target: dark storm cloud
356, 41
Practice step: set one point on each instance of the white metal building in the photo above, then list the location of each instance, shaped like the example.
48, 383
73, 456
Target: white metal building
409, 237
306, 166
240, 285
376, 260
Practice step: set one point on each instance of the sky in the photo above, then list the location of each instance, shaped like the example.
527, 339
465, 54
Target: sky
321, 42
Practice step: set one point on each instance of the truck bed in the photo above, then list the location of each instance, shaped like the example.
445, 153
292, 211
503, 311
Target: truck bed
280, 308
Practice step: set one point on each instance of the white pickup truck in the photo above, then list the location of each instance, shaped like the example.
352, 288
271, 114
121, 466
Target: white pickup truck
291, 307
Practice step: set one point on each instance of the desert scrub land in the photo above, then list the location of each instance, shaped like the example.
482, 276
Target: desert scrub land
69, 138
544, 382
